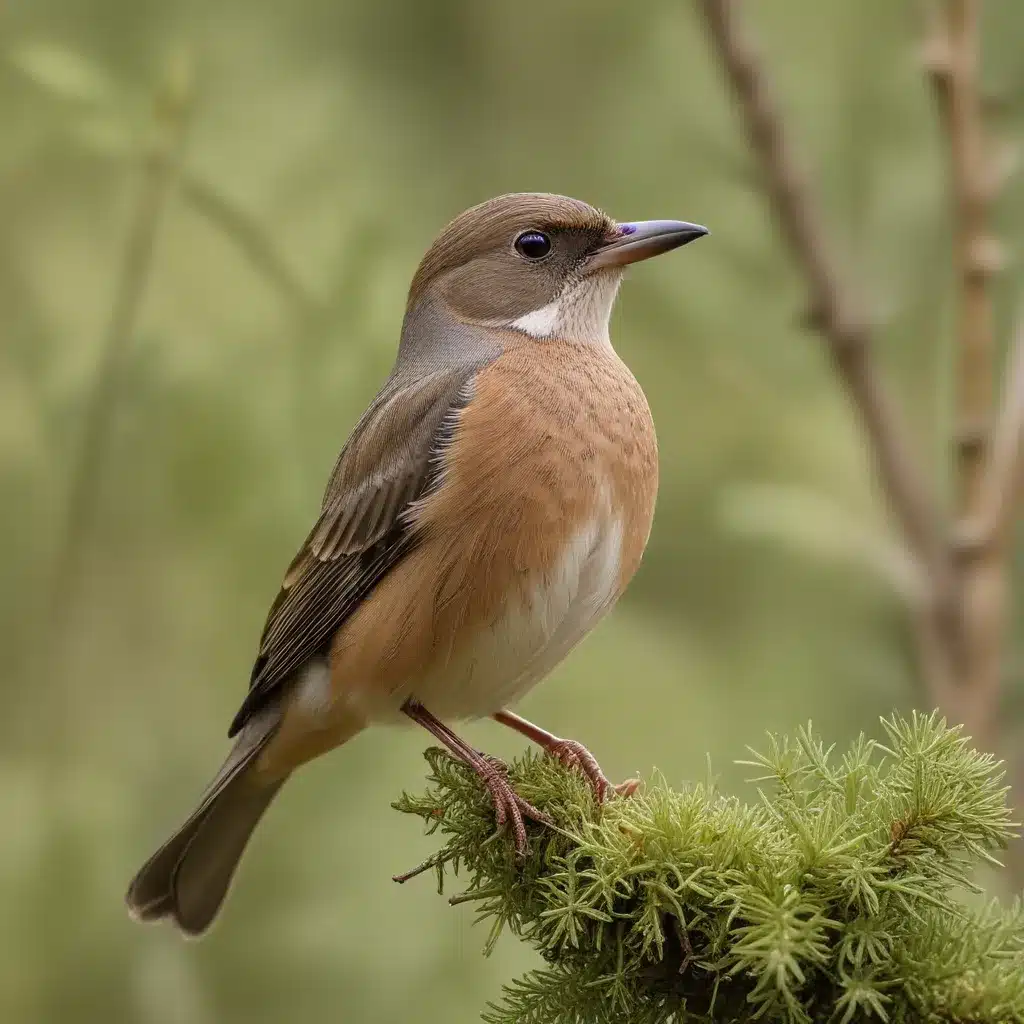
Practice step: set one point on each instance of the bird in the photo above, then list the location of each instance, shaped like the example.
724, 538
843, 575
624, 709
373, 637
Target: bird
487, 510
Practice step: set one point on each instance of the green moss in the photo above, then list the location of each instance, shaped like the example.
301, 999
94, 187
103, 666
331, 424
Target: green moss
832, 899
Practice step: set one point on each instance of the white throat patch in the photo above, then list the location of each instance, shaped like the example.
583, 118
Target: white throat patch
541, 323
580, 313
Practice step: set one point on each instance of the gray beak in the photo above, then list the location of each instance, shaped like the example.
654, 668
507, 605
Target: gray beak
642, 239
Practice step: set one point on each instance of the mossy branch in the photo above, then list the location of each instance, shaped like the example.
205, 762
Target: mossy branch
831, 899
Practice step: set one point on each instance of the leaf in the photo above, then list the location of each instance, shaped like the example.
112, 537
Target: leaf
63, 72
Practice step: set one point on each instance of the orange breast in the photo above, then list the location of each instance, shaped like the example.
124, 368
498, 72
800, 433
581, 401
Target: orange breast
554, 433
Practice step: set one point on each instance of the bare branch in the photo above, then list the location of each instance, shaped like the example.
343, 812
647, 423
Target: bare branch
986, 466
159, 167
981, 543
1003, 476
951, 57
835, 310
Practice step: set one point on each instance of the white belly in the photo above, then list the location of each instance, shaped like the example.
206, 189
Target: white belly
540, 623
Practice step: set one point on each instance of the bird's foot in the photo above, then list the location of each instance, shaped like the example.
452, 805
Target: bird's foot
509, 807
570, 753
573, 754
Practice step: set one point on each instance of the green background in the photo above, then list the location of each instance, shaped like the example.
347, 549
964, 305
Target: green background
350, 132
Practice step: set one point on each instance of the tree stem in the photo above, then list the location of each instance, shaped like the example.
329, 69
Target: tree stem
159, 166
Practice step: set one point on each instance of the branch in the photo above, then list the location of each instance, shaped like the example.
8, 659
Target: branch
252, 241
829, 900
951, 58
159, 166
984, 475
1003, 474
835, 311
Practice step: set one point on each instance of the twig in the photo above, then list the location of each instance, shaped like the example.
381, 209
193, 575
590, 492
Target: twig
989, 456
843, 325
1003, 473
252, 241
159, 166
951, 58
984, 475
307, 313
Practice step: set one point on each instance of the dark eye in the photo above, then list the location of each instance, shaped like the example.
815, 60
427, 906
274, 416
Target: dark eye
534, 245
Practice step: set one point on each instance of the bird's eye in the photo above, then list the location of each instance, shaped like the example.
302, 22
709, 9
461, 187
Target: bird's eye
534, 245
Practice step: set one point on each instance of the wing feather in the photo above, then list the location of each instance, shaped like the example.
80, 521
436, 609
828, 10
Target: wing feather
393, 457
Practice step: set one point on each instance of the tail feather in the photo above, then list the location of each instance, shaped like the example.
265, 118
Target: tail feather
189, 876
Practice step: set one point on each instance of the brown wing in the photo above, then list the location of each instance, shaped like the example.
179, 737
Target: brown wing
392, 458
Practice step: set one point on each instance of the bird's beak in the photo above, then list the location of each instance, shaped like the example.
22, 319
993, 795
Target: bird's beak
643, 239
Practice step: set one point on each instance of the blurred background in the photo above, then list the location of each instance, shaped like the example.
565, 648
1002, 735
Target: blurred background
210, 215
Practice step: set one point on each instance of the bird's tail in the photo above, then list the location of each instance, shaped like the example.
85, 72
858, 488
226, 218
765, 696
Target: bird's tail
188, 877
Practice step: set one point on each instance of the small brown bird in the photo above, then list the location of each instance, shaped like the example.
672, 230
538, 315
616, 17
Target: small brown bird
488, 509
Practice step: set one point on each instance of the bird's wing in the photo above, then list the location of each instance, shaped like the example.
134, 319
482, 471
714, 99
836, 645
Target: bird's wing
393, 457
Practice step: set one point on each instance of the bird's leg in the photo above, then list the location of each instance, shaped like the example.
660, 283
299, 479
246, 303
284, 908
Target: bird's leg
508, 804
571, 753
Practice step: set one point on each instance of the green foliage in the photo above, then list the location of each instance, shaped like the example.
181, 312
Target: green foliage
832, 899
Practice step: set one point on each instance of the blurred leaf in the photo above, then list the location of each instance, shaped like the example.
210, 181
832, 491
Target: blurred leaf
64, 72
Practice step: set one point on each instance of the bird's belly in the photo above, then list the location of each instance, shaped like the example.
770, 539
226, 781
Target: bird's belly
542, 618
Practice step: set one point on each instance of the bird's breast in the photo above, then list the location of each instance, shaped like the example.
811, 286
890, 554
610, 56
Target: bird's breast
545, 613
545, 508
541, 514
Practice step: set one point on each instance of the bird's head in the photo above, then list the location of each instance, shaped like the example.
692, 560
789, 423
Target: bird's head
546, 266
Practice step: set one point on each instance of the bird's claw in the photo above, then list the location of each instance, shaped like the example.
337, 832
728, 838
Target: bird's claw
573, 754
509, 807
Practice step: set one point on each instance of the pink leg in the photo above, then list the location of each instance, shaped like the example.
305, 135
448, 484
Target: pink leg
508, 804
570, 752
